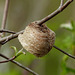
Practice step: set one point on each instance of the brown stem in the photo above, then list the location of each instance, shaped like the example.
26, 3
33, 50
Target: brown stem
7, 31
5, 15
8, 60
20, 65
61, 4
64, 52
60, 9
10, 37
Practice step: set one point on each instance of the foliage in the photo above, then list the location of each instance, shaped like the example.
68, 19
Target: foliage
69, 42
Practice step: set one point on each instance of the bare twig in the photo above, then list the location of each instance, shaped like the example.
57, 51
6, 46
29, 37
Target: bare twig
10, 37
54, 13
7, 31
20, 65
5, 15
64, 52
18, 53
61, 4
8, 60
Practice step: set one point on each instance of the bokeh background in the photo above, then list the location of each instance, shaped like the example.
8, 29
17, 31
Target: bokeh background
20, 14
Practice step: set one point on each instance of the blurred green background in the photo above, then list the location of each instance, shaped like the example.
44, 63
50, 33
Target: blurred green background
21, 13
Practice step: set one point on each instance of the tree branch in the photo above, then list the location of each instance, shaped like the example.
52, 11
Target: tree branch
60, 9
7, 31
8, 60
64, 52
61, 4
10, 37
5, 14
20, 65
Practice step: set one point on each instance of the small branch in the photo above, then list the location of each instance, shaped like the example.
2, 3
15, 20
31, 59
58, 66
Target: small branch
10, 37
8, 60
20, 65
61, 4
7, 31
64, 52
17, 53
5, 14
54, 13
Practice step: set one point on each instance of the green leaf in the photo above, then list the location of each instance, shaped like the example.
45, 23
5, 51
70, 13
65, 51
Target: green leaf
64, 70
67, 26
17, 52
67, 43
73, 25
70, 70
15, 49
20, 52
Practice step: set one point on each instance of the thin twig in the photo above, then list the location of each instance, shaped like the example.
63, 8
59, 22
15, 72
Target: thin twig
54, 13
18, 64
61, 4
8, 60
10, 37
7, 31
5, 15
64, 52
